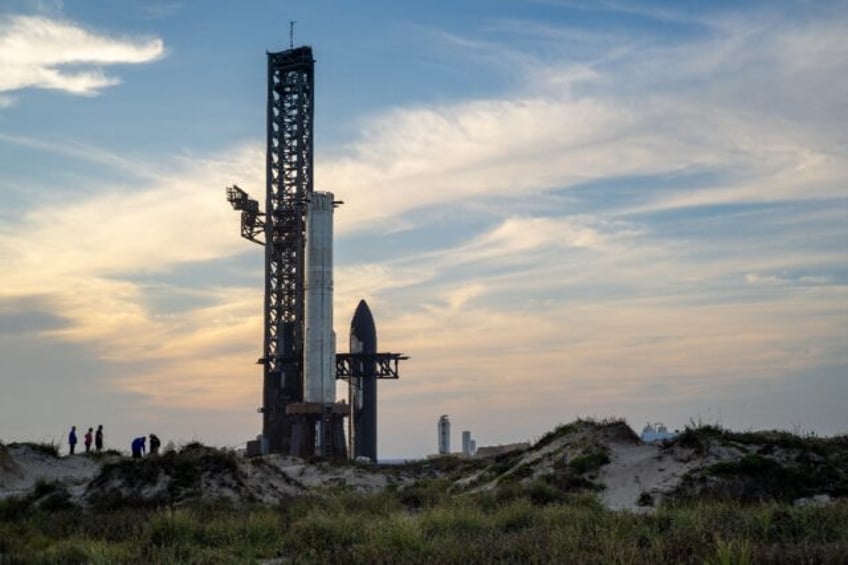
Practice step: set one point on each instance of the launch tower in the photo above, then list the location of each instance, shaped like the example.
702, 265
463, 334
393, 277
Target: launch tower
300, 366
289, 424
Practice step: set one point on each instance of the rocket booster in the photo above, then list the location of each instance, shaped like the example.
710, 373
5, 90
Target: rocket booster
319, 349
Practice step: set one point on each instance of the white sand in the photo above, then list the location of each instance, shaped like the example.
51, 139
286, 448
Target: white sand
24, 466
635, 469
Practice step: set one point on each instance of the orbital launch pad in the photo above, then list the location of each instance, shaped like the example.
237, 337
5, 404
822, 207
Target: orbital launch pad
300, 415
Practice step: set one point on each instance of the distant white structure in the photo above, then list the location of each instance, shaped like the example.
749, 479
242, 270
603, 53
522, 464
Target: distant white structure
444, 435
469, 446
656, 432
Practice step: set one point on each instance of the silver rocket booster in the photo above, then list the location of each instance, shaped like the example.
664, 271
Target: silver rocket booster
319, 349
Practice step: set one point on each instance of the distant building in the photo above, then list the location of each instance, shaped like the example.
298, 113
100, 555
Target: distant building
656, 432
468, 445
444, 435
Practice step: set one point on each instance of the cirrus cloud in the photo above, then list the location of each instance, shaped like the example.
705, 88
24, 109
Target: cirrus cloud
37, 52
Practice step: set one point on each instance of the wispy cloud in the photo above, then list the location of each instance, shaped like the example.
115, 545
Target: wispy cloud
83, 152
110, 233
40, 52
733, 102
99, 245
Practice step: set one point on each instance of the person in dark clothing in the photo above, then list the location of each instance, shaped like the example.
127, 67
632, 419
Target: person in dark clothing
137, 447
98, 439
87, 440
72, 439
154, 444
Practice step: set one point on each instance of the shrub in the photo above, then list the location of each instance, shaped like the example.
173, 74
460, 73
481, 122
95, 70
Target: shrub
395, 540
754, 477
558, 432
645, 499
473, 528
105, 454
14, 508
458, 519
541, 492
589, 463
370, 505
321, 533
502, 463
178, 474
172, 527
46, 448
732, 553
698, 437
51, 495
424, 493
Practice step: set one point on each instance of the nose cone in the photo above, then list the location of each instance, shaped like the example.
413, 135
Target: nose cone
363, 328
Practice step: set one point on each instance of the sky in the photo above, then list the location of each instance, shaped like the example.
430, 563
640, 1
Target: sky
557, 209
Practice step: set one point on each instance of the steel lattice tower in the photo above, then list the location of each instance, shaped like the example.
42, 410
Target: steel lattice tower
288, 177
288, 186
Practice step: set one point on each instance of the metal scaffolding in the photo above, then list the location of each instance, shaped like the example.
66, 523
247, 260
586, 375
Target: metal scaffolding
288, 177
288, 185
290, 425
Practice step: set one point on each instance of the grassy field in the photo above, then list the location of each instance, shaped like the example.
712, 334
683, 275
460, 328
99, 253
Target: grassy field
532, 523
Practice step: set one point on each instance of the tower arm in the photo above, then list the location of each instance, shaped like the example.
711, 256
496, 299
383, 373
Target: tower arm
252, 223
385, 365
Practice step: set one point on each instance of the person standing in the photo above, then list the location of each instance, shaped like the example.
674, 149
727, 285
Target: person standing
154, 444
137, 447
72, 439
87, 440
98, 439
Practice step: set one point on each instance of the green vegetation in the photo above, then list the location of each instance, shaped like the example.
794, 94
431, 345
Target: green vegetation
589, 463
701, 437
51, 449
769, 465
616, 427
105, 454
437, 466
560, 431
175, 475
532, 523
736, 507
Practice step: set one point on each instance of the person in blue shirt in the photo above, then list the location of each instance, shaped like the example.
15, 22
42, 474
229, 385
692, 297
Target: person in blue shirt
138, 447
72, 439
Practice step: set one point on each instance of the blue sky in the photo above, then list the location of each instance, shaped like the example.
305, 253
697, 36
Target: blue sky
558, 209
